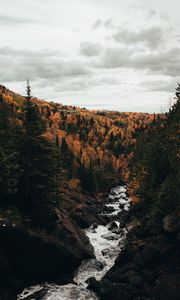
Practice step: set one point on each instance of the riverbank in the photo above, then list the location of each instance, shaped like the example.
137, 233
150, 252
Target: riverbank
106, 239
148, 268
30, 254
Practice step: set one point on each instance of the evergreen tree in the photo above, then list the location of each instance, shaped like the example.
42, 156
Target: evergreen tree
38, 186
10, 168
156, 163
33, 123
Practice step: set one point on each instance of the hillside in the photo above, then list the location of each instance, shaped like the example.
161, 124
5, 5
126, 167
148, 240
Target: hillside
149, 265
57, 164
95, 146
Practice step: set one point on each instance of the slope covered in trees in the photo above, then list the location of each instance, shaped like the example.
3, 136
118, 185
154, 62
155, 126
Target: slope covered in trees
55, 161
148, 266
155, 166
92, 147
28, 164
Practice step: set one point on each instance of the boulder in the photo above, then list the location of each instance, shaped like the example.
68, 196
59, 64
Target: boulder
113, 226
37, 256
150, 254
136, 281
166, 288
110, 237
94, 225
138, 259
170, 223
103, 288
93, 264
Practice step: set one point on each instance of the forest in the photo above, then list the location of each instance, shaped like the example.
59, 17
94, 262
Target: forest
155, 166
50, 151
57, 165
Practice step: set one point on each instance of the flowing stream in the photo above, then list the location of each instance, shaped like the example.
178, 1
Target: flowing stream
107, 242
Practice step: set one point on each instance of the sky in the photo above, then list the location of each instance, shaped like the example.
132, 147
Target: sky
111, 55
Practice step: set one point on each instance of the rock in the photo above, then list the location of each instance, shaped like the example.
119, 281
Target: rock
6, 294
113, 226
138, 259
123, 258
87, 216
166, 288
150, 254
71, 235
108, 252
110, 237
92, 283
94, 225
96, 264
132, 223
37, 257
103, 288
177, 243
143, 231
123, 291
136, 281
170, 223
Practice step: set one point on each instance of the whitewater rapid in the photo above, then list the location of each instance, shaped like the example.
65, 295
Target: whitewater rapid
107, 241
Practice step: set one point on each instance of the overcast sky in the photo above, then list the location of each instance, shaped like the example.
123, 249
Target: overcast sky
104, 54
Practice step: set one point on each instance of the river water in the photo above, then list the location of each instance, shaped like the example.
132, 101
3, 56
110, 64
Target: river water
107, 242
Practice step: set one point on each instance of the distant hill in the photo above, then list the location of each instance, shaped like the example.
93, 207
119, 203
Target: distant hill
96, 145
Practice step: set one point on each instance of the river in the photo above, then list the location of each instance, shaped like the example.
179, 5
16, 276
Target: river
107, 241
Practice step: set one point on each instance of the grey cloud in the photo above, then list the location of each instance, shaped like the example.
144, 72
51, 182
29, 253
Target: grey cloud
6, 20
163, 62
17, 65
86, 83
73, 85
108, 23
160, 85
90, 49
115, 58
151, 37
166, 62
97, 24
152, 13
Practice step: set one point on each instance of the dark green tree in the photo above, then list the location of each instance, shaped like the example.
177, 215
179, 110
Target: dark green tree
38, 186
10, 168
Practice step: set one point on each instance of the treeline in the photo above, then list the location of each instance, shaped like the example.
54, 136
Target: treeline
51, 154
155, 167
99, 144
29, 163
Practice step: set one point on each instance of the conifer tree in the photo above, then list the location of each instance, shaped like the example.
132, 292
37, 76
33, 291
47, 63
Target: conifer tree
33, 122
10, 169
38, 189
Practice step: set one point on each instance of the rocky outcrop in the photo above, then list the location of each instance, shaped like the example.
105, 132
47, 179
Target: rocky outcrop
31, 255
149, 265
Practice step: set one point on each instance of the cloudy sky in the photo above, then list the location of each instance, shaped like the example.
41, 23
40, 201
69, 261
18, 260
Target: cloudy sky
120, 54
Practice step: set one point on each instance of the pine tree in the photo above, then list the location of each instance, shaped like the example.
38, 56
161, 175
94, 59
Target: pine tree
33, 123
38, 187
10, 168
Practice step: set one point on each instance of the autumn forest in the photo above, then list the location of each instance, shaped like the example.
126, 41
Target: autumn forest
58, 163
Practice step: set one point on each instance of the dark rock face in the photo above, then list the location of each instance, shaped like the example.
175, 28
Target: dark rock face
32, 255
149, 265
87, 216
167, 287
136, 281
37, 257
150, 254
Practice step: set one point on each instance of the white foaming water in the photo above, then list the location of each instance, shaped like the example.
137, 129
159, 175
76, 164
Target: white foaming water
107, 244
